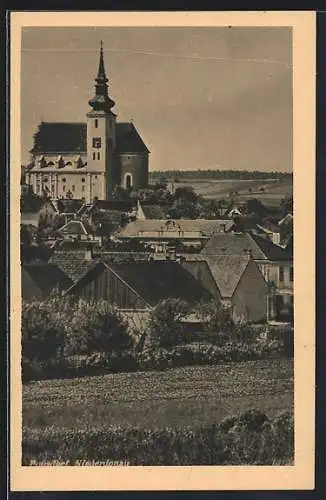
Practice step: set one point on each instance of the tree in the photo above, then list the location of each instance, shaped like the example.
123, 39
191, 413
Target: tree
218, 320
255, 207
120, 194
287, 205
164, 326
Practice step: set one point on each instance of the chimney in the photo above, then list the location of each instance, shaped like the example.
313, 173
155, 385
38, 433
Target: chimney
247, 252
171, 253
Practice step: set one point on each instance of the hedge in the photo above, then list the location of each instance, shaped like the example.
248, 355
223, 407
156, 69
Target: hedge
149, 359
250, 438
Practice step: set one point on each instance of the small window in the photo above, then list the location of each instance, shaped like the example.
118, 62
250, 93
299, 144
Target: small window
68, 164
98, 156
95, 176
64, 179
94, 156
45, 179
73, 188
96, 142
83, 188
96, 123
291, 273
63, 188
83, 179
281, 273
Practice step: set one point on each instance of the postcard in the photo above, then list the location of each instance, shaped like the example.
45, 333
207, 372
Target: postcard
162, 260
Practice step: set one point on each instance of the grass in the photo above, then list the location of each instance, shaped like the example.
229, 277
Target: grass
273, 192
188, 396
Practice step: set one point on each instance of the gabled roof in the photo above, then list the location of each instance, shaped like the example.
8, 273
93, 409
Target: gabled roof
205, 226
128, 140
76, 228
155, 281
62, 137
47, 276
233, 244
73, 263
227, 271
271, 251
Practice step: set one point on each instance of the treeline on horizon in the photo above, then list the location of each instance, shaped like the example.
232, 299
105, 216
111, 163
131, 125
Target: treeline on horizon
218, 174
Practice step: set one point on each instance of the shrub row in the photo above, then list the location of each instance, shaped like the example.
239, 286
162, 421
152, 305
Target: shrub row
149, 359
250, 438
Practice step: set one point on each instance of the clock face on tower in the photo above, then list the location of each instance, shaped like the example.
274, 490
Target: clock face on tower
96, 142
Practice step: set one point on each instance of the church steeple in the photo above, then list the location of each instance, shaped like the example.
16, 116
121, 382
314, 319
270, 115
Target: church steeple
101, 100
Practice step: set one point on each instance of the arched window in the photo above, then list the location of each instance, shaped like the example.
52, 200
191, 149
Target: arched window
96, 123
128, 181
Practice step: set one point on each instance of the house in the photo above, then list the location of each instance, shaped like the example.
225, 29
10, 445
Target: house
77, 230
235, 281
74, 263
35, 210
278, 233
41, 279
69, 209
156, 233
274, 262
139, 285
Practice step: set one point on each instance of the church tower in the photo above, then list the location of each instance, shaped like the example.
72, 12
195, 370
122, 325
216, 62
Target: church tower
101, 133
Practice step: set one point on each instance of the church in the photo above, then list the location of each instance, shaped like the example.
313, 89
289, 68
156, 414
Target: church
88, 160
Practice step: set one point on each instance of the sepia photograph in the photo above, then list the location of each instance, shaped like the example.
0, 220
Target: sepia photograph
158, 313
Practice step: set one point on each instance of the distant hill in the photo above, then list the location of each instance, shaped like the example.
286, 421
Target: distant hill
182, 175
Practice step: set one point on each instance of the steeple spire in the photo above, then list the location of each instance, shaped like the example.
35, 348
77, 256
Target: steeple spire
101, 101
101, 76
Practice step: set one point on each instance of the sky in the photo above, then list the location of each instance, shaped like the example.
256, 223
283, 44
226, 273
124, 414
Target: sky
201, 98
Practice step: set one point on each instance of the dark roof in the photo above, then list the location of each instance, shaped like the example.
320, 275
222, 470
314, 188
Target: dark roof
155, 281
61, 137
69, 206
47, 276
245, 223
272, 252
116, 205
74, 263
128, 140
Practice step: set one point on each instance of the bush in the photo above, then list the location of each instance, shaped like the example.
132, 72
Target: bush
150, 359
250, 438
54, 329
164, 327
